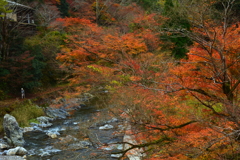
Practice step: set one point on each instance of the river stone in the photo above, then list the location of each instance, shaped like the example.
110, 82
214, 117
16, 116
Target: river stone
56, 113
112, 120
4, 146
53, 134
17, 151
79, 145
106, 126
110, 147
44, 154
11, 158
44, 119
21, 151
136, 153
87, 96
27, 129
48, 151
12, 151
35, 127
44, 125
116, 155
13, 132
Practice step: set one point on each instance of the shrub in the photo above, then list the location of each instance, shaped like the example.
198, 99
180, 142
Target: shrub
26, 111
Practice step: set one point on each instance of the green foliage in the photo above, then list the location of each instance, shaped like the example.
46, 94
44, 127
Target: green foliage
134, 26
38, 62
151, 5
49, 45
22, 70
124, 79
49, 41
110, 88
168, 7
34, 120
3, 91
32, 61
176, 22
180, 48
15, 70
3, 95
16, 47
35, 73
63, 8
94, 68
26, 111
118, 83
4, 8
4, 72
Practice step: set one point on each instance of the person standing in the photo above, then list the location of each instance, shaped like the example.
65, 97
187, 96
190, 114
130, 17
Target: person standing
22, 93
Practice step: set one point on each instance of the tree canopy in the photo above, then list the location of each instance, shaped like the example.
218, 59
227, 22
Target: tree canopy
171, 68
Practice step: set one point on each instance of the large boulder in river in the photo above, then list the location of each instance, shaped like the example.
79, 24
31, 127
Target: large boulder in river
13, 133
17, 151
56, 113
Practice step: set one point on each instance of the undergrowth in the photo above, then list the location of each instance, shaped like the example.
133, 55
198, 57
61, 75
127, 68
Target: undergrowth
24, 112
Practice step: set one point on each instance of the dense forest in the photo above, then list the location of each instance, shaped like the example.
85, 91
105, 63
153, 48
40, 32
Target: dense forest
171, 65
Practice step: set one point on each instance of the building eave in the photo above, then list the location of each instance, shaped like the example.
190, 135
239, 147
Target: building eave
18, 4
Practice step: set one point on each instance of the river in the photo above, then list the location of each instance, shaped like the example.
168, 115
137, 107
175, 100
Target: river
82, 126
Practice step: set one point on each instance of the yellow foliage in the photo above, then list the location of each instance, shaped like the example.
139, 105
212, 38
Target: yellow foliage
94, 68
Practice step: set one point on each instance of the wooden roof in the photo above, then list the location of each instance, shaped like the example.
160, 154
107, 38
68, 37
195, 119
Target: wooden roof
18, 5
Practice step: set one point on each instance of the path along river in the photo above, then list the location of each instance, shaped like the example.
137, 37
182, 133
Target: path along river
82, 127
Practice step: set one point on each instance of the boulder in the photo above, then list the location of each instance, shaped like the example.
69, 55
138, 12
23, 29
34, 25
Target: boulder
27, 129
13, 133
110, 147
43, 154
4, 146
136, 153
106, 126
47, 151
17, 151
112, 120
53, 134
79, 145
56, 113
44, 119
116, 155
71, 143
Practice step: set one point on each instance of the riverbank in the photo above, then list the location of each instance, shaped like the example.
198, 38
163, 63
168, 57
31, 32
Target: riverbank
90, 128
15, 105
87, 132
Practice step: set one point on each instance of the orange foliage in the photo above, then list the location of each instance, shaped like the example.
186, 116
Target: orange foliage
187, 105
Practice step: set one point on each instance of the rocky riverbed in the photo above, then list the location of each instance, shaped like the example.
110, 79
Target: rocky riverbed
67, 133
72, 131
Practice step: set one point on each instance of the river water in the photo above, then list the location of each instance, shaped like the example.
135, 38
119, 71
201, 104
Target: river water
82, 125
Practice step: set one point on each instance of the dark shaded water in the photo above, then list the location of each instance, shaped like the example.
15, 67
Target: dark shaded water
42, 147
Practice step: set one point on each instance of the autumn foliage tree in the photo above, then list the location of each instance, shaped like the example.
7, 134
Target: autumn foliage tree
180, 109
206, 84
112, 59
89, 46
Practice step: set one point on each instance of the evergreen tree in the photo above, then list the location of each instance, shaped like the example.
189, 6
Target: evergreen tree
168, 7
63, 8
176, 22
